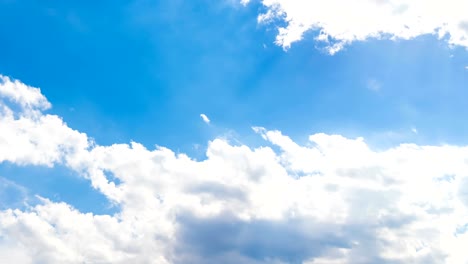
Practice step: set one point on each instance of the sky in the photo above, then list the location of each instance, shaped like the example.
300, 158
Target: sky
233, 131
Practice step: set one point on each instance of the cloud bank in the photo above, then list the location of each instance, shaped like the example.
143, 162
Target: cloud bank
332, 200
340, 22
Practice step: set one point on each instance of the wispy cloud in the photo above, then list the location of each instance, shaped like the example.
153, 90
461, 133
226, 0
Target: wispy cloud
374, 85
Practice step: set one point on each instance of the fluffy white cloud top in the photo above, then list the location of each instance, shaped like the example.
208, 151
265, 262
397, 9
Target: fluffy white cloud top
341, 22
332, 200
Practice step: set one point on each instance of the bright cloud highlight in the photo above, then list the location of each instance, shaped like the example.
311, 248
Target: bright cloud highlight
333, 200
205, 118
340, 22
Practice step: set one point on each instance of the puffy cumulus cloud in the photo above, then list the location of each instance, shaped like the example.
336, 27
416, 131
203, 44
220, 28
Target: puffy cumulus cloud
26, 97
57, 233
341, 22
28, 136
332, 200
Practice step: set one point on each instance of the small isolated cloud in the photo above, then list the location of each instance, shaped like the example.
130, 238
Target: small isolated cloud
374, 85
466, 68
414, 130
205, 118
340, 22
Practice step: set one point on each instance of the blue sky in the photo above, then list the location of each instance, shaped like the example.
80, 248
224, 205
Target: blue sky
143, 71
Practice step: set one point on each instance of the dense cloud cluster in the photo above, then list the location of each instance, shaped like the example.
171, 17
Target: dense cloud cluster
334, 200
340, 22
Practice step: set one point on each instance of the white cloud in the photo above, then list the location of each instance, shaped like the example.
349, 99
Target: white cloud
341, 22
27, 135
205, 118
25, 96
334, 200
9, 253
